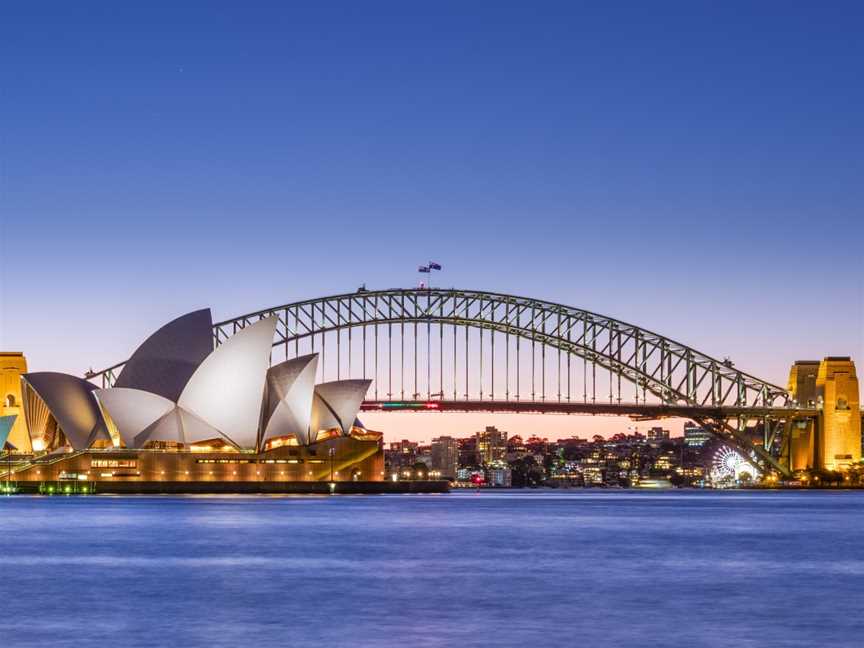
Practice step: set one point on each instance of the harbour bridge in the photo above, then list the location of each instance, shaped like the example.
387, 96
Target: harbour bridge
446, 350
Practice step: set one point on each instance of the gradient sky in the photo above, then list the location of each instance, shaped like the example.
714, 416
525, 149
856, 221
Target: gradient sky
691, 167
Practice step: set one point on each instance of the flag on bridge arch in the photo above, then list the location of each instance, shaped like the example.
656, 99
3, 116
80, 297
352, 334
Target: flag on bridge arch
434, 266
423, 269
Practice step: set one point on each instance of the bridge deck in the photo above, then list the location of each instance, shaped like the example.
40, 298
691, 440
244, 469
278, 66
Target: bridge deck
636, 410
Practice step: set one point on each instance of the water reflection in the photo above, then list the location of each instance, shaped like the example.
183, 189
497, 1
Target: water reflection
507, 569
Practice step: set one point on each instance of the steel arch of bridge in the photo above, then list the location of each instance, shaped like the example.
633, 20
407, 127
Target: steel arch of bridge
671, 371
653, 366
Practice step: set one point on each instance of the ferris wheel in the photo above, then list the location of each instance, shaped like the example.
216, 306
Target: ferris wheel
729, 464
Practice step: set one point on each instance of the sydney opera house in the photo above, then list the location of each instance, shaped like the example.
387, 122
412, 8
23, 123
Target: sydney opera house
182, 415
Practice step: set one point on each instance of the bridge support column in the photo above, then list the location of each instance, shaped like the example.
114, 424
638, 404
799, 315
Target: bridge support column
838, 442
737, 436
802, 444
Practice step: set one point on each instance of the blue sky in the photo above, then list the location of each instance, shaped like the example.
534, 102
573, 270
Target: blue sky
695, 168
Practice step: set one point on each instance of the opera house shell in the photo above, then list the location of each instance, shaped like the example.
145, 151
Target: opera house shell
182, 410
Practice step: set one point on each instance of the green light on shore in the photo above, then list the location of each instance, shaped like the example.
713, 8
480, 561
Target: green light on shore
410, 405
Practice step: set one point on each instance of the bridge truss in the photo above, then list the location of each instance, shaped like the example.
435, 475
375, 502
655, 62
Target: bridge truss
519, 354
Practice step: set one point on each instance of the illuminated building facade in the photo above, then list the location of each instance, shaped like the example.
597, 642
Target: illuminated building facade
445, 456
802, 434
802, 382
403, 454
657, 435
833, 440
840, 414
491, 445
355, 458
183, 412
499, 475
695, 436
12, 366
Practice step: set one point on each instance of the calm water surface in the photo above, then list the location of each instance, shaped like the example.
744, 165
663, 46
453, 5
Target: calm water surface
527, 569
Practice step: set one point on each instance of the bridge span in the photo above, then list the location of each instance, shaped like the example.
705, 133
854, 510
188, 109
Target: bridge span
638, 411
452, 350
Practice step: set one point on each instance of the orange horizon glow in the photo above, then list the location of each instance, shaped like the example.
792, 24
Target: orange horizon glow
425, 426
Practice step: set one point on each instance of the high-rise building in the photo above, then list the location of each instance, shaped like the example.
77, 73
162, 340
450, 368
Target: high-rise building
695, 436
445, 456
468, 451
491, 445
402, 454
424, 456
657, 434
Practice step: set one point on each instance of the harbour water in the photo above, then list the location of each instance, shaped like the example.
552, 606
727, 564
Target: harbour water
520, 568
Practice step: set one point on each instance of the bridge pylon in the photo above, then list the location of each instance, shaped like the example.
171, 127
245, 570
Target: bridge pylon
831, 440
838, 443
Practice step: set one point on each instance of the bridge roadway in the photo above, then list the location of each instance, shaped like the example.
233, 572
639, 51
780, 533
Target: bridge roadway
644, 411
444, 341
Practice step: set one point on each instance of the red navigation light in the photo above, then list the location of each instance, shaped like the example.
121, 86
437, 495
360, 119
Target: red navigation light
431, 405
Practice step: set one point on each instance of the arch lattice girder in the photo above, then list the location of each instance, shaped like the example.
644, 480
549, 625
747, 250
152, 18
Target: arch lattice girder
673, 372
611, 363
735, 438
668, 370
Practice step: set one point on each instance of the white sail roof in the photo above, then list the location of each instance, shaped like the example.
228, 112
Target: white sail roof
178, 426
337, 403
132, 410
167, 359
288, 401
227, 388
69, 400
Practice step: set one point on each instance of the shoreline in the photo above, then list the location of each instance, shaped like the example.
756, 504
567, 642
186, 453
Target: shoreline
229, 488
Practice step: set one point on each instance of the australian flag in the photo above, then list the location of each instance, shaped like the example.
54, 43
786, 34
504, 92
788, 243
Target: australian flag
423, 269
434, 266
